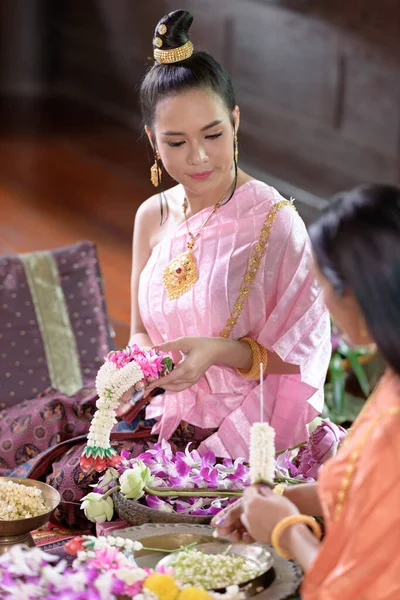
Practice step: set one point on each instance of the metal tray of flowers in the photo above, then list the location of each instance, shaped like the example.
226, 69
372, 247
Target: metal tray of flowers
278, 581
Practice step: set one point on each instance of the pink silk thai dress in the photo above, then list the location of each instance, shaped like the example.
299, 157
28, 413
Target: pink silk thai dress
284, 312
359, 558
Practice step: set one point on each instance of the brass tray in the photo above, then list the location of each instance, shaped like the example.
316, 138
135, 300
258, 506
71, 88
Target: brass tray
255, 553
174, 536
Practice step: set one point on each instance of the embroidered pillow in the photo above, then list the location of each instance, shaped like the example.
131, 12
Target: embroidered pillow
54, 330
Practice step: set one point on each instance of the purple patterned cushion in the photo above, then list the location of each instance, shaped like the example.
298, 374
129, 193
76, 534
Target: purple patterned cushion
54, 330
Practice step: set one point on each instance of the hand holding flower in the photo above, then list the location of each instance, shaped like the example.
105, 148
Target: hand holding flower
115, 380
254, 516
262, 510
198, 354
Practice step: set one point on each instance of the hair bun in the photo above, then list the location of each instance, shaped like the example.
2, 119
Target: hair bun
172, 30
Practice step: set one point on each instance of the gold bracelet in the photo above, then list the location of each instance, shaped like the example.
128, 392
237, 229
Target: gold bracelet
260, 355
287, 522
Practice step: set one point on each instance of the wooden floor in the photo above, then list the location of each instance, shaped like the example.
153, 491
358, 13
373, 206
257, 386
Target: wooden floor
69, 174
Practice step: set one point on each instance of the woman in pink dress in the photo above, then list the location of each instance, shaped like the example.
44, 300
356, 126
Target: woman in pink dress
224, 280
207, 254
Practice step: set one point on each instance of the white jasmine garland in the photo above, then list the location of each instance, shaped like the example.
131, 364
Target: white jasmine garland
262, 453
111, 384
121, 371
92, 544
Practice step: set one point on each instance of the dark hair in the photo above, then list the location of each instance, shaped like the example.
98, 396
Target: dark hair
356, 243
201, 70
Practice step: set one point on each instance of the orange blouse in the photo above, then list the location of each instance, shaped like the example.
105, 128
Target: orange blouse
359, 558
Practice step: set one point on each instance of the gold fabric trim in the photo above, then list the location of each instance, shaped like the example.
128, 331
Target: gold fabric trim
254, 263
54, 323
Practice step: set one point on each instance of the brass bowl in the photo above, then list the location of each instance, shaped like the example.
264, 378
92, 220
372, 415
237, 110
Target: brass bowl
18, 530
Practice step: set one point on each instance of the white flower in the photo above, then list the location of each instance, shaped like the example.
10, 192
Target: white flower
262, 453
103, 584
18, 501
97, 508
119, 542
111, 384
133, 481
131, 576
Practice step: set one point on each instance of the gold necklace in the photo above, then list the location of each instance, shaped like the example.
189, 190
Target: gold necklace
181, 273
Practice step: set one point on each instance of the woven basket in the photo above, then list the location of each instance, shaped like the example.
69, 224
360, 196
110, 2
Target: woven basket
136, 513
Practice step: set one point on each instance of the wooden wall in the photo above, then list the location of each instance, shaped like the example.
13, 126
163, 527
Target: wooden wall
318, 82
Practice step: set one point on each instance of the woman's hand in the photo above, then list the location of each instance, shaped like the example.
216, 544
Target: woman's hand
198, 354
254, 516
262, 510
124, 404
229, 524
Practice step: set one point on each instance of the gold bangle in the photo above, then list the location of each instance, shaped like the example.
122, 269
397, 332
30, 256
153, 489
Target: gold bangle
280, 489
260, 355
287, 522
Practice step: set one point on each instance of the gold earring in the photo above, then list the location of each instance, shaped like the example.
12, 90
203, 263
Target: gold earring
155, 171
236, 148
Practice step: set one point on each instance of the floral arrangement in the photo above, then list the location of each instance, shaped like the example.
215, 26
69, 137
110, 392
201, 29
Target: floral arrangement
120, 371
154, 473
184, 481
103, 569
20, 501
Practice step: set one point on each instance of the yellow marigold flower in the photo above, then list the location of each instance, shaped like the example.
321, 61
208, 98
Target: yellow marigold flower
164, 586
194, 593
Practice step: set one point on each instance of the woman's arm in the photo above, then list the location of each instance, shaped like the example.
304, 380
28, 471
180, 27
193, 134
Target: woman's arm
141, 251
256, 516
238, 355
305, 497
302, 544
200, 353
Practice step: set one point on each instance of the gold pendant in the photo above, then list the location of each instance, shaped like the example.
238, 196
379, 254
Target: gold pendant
180, 275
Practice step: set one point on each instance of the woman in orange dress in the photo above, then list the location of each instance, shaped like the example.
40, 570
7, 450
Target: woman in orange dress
357, 250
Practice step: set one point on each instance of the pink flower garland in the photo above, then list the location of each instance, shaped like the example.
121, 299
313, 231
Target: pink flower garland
119, 373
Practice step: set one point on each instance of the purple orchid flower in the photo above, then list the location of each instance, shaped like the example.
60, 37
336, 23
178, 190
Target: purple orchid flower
158, 503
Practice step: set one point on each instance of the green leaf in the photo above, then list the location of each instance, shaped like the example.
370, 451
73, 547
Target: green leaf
352, 406
337, 378
168, 364
359, 372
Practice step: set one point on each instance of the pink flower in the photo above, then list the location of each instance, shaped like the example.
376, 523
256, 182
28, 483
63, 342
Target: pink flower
322, 445
105, 560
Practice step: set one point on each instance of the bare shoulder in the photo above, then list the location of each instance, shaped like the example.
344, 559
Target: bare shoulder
150, 208
147, 219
